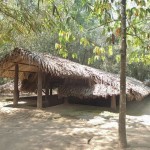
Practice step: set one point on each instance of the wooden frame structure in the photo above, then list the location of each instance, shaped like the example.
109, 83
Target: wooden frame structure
39, 88
71, 79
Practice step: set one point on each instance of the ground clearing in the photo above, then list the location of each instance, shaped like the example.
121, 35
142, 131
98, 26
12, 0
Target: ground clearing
71, 127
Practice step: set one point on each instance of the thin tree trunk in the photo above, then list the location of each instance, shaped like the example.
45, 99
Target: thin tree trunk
122, 111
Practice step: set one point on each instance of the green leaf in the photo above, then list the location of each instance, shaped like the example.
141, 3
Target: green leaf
97, 50
65, 54
118, 58
96, 57
67, 36
61, 33
57, 46
74, 56
103, 58
84, 41
90, 61
110, 51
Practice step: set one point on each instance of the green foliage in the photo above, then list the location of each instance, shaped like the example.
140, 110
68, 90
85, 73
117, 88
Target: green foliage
86, 31
110, 51
84, 42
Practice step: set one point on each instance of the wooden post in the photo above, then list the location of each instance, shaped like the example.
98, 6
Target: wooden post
16, 91
113, 102
46, 96
39, 90
46, 88
46, 93
51, 91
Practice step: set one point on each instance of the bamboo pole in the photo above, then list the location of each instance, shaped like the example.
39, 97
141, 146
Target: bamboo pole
39, 90
113, 102
16, 91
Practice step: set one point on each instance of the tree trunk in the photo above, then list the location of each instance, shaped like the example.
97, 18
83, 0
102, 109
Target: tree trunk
122, 111
16, 91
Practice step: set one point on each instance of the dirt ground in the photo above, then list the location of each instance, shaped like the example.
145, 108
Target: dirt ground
71, 127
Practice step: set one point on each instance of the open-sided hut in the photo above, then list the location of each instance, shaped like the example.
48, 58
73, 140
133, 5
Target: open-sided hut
38, 71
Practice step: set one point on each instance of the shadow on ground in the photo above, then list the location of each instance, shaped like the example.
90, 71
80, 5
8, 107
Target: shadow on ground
138, 108
71, 127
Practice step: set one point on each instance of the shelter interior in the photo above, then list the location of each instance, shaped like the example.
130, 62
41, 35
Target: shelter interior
34, 80
51, 83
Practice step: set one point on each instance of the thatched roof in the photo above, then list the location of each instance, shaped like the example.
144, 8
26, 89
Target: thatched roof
72, 79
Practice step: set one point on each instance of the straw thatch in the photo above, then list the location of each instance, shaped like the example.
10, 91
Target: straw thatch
71, 79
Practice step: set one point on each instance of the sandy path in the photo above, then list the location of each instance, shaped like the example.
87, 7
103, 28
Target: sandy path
68, 127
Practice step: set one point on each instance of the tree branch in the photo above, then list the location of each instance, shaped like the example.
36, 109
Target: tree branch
135, 36
102, 25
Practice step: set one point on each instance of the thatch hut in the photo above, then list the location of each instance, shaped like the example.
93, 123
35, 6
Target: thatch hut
38, 71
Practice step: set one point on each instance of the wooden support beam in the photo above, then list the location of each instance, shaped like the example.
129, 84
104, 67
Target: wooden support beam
31, 69
46, 96
46, 88
16, 91
51, 91
46, 93
22, 71
113, 102
20, 63
39, 90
